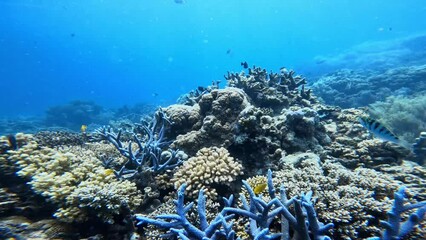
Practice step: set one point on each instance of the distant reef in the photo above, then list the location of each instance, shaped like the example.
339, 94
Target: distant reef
373, 55
358, 88
72, 115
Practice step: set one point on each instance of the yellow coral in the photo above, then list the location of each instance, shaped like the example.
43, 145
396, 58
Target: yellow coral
73, 178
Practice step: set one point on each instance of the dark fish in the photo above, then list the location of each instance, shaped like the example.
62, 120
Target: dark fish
378, 130
155, 94
12, 142
228, 51
180, 1
72, 35
244, 64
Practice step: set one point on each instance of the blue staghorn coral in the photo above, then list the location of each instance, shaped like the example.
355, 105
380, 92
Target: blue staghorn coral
179, 225
394, 228
304, 222
150, 155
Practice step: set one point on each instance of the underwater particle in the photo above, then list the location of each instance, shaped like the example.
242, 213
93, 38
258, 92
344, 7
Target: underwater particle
244, 64
378, 129
259, 188
228, 51
170, 59
180, 1
72, 35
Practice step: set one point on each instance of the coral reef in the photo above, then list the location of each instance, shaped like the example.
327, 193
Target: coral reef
274, 90
394, 228
210, 169
260, 213
347, 198
72, 178
150, 155
74, 114
352, 145
403, 115
356, 88
262, 120
258, 116
218, 111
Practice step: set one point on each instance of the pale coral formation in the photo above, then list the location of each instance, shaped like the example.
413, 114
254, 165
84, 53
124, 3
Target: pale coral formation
208, 169
350, 199
353, 146
74, 179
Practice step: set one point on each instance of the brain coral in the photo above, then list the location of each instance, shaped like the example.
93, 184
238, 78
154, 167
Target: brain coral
210, 168
73, 178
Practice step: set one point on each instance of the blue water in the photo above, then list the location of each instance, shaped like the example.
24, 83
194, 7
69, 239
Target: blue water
132, 51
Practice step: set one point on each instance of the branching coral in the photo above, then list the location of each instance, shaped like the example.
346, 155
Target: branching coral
149, 155
350, 199
394, 228
209, 169
261, 214
273, 90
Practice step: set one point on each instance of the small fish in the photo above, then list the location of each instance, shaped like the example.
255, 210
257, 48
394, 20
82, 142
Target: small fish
155, 94
259, 188
12, 142
83, 128
244, 64
378, 130
180, 1
108, 172
228, 51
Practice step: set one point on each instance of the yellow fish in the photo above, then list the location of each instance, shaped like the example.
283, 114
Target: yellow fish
259, 188
83, 128
109, 172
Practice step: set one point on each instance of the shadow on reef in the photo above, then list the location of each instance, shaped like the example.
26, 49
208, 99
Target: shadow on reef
95, 181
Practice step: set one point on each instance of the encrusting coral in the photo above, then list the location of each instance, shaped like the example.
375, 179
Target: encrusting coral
74, 179
208, 169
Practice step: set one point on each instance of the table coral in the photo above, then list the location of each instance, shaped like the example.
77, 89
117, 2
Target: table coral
208, 169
